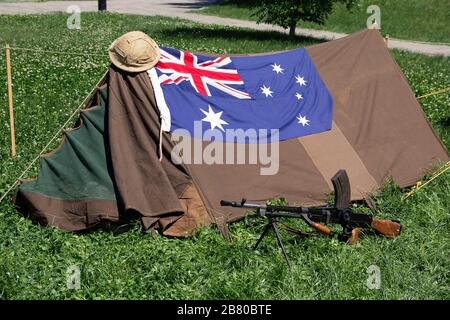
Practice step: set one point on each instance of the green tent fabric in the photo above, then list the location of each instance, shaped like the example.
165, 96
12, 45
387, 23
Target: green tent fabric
78, 169
75, 179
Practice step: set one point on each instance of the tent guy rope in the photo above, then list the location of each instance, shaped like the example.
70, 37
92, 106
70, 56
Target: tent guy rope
419, 185
432, 93
56, 52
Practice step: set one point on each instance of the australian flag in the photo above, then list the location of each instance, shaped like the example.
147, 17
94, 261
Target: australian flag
280, 91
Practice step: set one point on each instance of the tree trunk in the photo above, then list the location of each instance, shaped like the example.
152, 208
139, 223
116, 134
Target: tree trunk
292, 30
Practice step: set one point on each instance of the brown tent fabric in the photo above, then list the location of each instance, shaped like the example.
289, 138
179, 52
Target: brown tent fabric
379, 131
159, 191
376, 110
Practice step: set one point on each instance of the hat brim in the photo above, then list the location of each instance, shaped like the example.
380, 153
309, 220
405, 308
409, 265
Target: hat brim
128, 68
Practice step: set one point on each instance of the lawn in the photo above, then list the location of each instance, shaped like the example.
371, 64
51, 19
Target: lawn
135, 265
424, 20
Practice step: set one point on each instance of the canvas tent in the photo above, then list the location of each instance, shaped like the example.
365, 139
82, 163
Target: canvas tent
108, 164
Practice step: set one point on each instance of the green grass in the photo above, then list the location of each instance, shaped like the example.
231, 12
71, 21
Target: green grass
424, 20
135, 265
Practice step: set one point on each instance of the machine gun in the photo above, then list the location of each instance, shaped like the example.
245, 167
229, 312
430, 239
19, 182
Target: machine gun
340, 213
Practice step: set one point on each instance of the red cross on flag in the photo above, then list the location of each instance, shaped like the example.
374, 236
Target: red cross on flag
218, 73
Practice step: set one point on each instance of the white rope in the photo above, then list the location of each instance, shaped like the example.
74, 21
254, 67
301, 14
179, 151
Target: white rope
56, 52
52, 139
160, 142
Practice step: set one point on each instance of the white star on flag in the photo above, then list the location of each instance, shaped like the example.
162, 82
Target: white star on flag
300, 80
213, 118
302, 120
266, 91
299, 96
277, 68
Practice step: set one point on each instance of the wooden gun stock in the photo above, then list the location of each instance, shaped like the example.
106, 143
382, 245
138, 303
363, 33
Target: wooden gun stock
321, 228
388, 228
353, 239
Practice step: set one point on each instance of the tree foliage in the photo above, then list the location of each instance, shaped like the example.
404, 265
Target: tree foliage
286, 13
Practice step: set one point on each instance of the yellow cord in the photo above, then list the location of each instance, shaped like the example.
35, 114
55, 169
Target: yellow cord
419, 185
434, 93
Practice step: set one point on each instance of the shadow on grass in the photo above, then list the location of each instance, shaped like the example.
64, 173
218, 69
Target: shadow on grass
445, 122
238, 3
194, 5
235, 34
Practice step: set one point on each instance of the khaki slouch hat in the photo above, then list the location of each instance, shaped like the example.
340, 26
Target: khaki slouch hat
134, 52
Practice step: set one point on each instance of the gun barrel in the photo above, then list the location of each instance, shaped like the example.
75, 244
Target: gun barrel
241, 204
286, 211
226, 203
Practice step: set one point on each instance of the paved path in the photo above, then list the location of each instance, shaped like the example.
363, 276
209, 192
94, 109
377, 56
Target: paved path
180, 8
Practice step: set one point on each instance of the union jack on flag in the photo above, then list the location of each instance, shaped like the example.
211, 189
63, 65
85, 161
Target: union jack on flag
281, 91
202, 74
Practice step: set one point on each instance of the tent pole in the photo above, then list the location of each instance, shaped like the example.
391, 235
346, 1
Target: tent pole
101, 5
10, 100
